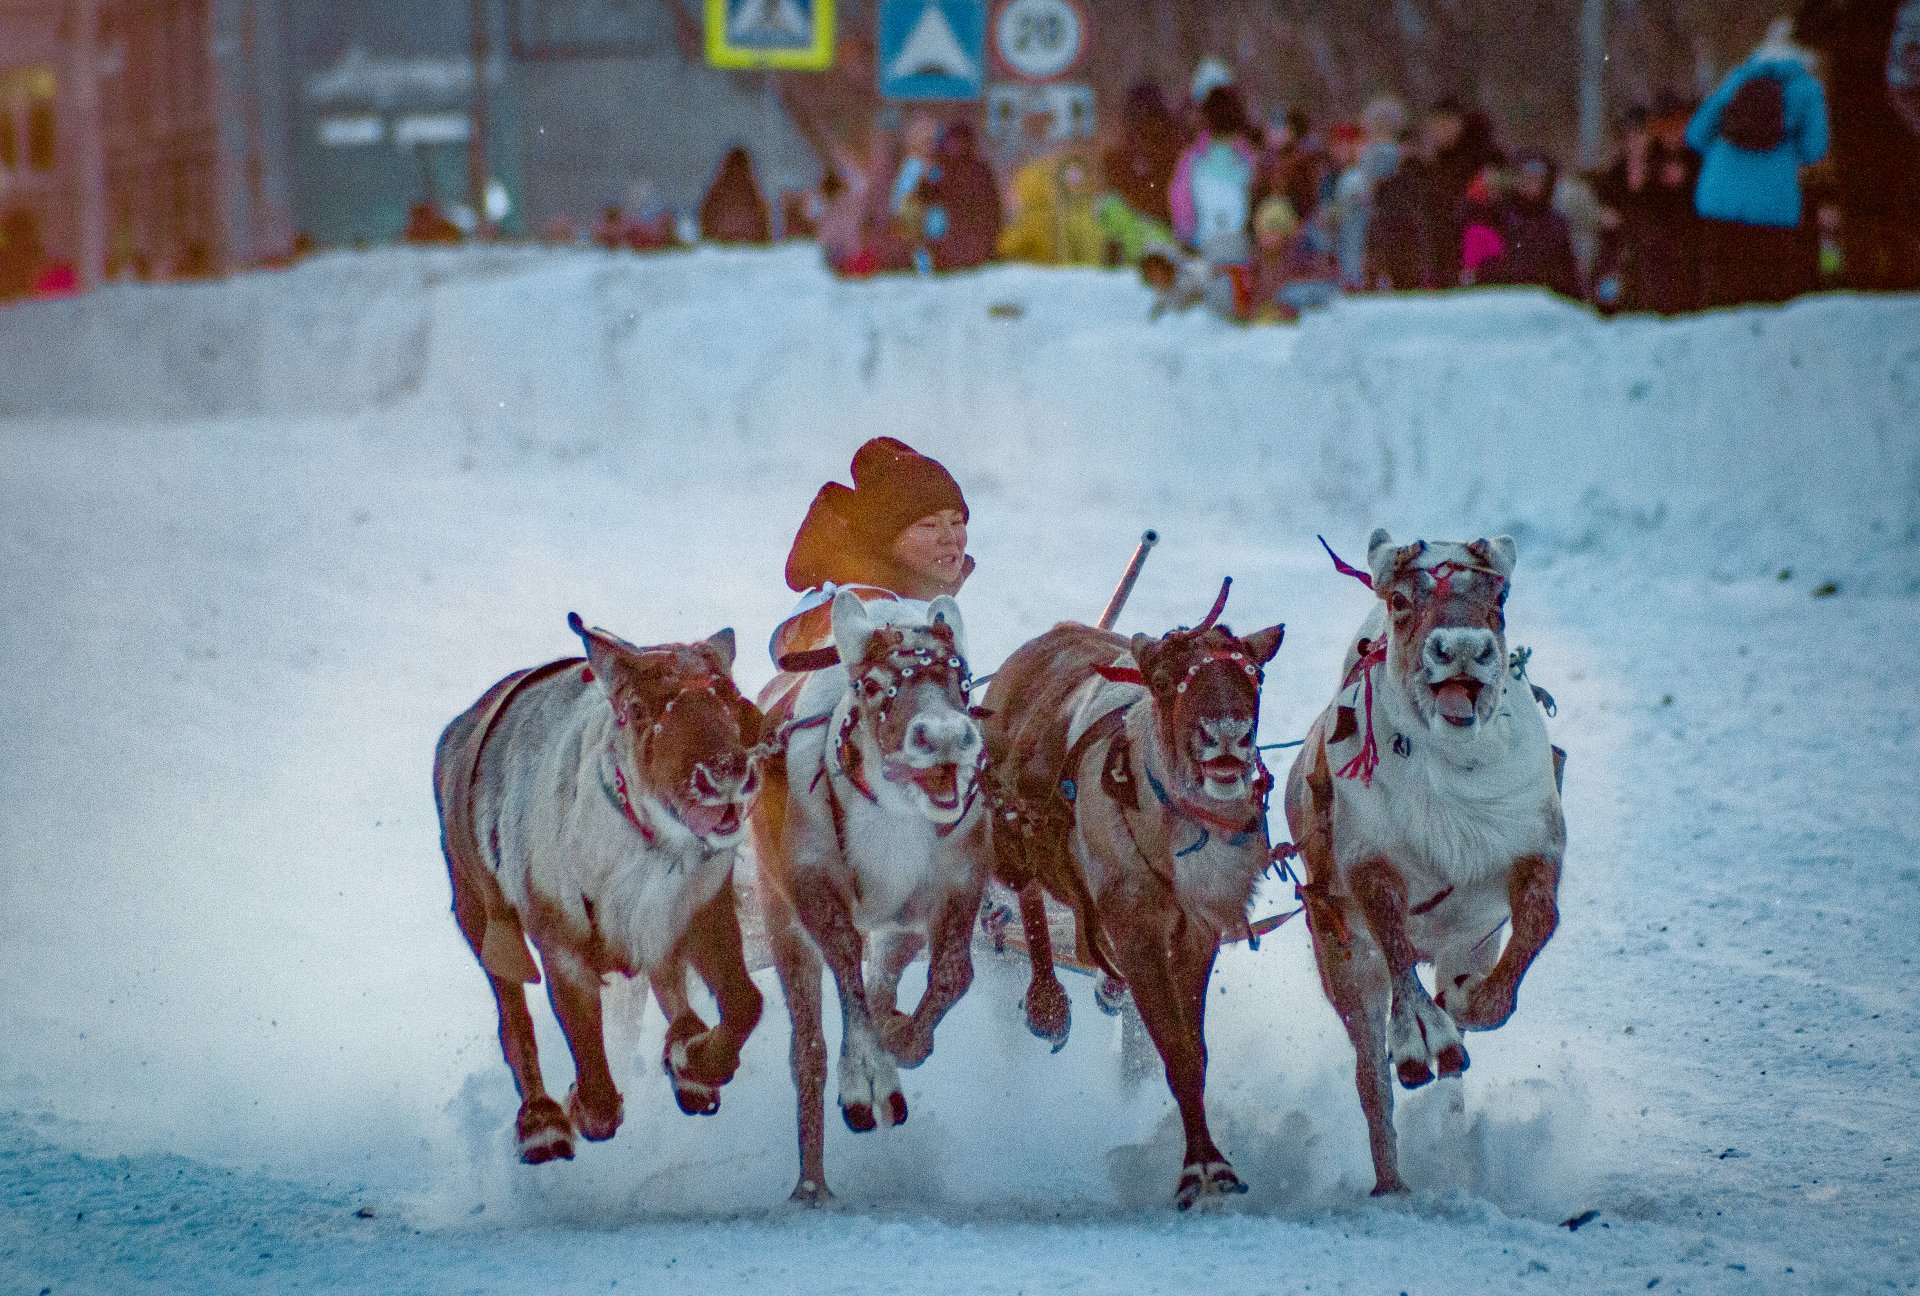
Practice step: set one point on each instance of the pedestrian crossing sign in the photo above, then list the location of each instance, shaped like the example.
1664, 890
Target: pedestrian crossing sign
932, 49
784, 35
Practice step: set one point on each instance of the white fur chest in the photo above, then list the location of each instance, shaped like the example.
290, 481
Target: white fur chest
1448, 809
896, 864
559, 834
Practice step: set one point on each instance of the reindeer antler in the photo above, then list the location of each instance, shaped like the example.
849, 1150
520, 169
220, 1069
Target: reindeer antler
1219, 606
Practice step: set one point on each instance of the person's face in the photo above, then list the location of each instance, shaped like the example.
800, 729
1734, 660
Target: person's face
1443, 131
934, 549
921, 130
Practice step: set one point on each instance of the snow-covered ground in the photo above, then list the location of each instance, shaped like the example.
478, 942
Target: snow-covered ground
260, 540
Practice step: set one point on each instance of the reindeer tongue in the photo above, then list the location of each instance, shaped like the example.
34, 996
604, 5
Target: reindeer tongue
711, 820
1455, 700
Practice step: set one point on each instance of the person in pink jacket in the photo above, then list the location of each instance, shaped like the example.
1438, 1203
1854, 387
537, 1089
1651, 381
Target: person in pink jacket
1212, 192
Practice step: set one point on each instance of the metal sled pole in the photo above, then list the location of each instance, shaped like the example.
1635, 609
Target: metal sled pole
1148, 539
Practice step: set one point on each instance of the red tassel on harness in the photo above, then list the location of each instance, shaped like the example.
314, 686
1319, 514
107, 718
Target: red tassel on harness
1120, 674
1344, 567
1363, 765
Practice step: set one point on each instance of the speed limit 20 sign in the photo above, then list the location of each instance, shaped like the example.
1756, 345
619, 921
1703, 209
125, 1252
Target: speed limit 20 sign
1038, 40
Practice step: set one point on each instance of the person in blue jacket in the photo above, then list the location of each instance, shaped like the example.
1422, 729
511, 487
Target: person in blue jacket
1764, 122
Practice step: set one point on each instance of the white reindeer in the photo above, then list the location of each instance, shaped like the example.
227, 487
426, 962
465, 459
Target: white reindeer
1426, 805
871, 842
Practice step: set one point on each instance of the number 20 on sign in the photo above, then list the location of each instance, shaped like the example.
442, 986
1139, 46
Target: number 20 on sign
1039, 39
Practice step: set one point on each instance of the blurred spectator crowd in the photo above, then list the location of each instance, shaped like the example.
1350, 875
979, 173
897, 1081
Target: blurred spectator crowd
1801, 170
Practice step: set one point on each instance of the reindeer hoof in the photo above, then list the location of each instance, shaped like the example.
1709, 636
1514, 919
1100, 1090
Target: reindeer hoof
896, 1108
1049, 1012
1413, 1072
1198, 1182
810, 1192
543, 1132
1110, 995
595, 1127
859, 1117
694, 1097
1389, 1188
1453, 1060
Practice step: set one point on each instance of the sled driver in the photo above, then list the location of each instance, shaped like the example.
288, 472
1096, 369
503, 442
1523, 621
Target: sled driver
898, 533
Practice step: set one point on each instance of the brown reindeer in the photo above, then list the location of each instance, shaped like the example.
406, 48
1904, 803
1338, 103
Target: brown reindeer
1128, 786
1426, 806
595, 807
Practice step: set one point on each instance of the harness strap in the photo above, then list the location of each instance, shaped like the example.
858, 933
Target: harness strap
1106, 728
624, 800
808, 659
1238, 833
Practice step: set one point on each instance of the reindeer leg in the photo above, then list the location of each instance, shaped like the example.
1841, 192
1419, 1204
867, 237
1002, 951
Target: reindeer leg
1531, 888
1142, 947
1354, 975
698, 1059
894, 952
1045, 1003
798, 968
541, 1130
1423, 1039
669, 982
1049, 1013
869, 1080
1194, 952
593, 1103
949, 973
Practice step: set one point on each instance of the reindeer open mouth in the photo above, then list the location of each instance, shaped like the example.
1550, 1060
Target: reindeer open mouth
1224, 776
714, 822
940, 783
1458, 699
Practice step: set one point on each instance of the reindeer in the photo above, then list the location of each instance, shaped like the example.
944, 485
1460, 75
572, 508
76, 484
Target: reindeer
870, 843
1128, 785
1426, 806
595, 806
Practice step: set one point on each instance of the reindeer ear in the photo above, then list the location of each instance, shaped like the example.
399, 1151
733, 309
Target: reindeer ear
1380, 555
720, 644
1143, 647
1498, 553
615, 662
944, 611
851, 627
606, 653
1263, 644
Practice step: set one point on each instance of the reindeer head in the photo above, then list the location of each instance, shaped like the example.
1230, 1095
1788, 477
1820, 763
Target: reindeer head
1205, 684
682, 730
909, 701
1447, 643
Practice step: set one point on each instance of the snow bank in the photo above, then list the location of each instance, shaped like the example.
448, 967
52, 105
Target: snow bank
261, 540
1741, 441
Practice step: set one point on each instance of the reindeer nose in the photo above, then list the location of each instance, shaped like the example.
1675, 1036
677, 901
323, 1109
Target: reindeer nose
1447, 647
943, 737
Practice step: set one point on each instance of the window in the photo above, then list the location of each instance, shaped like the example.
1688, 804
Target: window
27, 134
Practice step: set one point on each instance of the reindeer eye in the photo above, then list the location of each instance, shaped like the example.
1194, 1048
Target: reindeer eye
1399, 604
751, 783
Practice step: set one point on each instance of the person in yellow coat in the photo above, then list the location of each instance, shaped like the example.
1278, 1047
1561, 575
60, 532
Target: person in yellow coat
1053, 200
